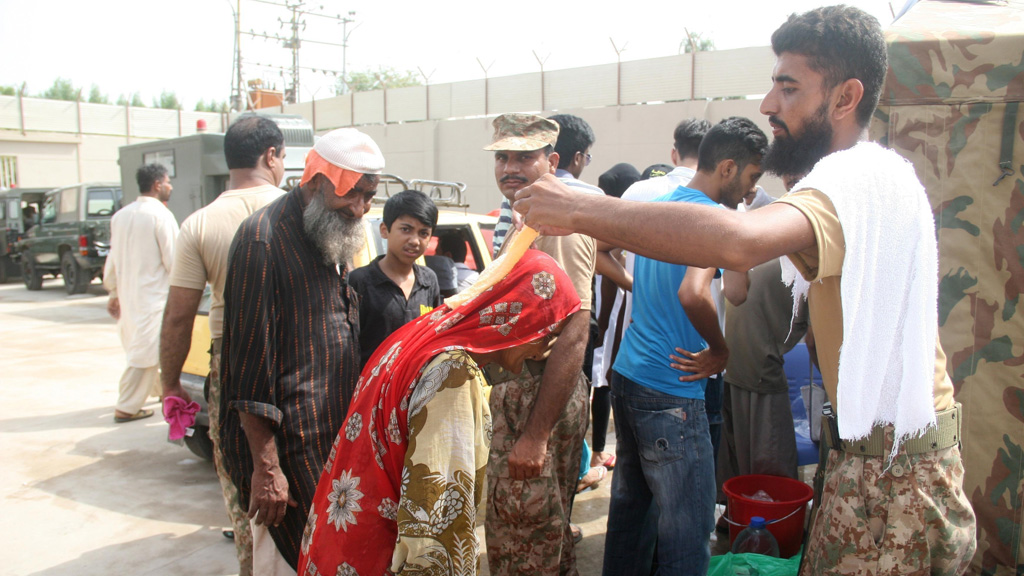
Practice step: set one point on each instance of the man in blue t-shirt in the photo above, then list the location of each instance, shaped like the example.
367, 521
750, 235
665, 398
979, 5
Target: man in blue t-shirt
664, 485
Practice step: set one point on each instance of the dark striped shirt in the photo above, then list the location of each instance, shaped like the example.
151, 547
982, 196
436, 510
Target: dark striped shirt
291, 355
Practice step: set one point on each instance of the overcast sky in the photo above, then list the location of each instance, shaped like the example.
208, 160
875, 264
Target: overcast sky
186, 46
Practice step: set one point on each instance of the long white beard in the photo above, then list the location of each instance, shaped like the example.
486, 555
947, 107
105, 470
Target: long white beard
338, 238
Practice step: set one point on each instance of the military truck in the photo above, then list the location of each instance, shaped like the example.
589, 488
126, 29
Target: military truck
72, 237
14, 224
196, 164
951, 105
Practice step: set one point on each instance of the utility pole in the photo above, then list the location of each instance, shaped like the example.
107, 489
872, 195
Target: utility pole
344, 48
293, 40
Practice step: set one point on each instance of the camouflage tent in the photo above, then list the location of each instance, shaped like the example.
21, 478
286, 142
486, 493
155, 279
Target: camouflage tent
950, 105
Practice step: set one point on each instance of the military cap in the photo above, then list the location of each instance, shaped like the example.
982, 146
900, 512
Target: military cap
523, 132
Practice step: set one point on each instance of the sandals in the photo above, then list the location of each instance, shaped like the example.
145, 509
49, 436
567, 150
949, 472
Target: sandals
591, 479
609, 463
144, 413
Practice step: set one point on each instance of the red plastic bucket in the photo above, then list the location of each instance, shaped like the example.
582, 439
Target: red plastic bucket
789, 496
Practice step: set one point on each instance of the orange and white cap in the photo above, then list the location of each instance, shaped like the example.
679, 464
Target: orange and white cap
343, 156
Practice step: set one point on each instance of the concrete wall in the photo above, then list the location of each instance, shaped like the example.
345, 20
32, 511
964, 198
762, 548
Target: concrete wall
431, 132
639, 135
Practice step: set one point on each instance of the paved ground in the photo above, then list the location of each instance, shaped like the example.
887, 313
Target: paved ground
82, 495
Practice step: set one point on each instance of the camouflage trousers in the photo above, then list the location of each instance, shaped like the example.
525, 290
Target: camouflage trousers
911, 518
239, 517
527, 522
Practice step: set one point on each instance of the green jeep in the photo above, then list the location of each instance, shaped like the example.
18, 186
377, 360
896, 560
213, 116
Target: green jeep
72, 237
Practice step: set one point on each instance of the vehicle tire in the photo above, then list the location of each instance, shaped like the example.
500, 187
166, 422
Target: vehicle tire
199, 443
30, 273
76, 279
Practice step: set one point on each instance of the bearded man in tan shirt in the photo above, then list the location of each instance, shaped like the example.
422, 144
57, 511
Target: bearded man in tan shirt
859, 229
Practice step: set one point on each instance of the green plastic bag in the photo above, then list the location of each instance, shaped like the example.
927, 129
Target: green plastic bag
753, 565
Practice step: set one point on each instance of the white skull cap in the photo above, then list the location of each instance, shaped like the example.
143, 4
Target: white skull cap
350, 149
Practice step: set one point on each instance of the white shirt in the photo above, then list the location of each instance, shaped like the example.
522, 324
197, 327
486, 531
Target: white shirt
137, 273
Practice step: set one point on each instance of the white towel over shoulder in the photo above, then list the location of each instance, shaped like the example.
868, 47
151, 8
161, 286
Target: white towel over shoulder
889, 290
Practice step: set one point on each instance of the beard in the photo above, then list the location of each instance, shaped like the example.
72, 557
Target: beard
789, 155
337, 237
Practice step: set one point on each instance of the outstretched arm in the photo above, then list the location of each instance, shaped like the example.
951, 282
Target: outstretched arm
676, 232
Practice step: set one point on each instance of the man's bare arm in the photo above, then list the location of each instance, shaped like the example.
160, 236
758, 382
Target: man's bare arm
176, 338
676, 232
608, 266
560, 375
695, 297
269, 485
735, 286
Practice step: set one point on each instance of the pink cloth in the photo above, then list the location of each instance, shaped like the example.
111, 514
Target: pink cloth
179, 416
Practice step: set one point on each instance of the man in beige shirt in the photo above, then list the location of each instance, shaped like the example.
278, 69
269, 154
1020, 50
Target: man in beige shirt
892, 500
254, 149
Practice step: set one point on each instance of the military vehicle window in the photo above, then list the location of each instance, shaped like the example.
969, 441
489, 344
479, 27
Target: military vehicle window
50, 208
99, 203
3, 211
68, 205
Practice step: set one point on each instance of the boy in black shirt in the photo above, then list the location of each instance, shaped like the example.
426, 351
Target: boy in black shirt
393, 289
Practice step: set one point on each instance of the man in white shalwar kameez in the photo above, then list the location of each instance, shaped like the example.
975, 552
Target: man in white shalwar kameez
137, 276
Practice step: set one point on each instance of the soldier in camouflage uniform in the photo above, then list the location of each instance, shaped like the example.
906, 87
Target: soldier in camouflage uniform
893, 501
539, 416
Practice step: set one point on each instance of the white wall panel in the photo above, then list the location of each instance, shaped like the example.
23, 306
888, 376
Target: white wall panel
103, 119
440, 101
740, 72
407, 104
50, 115
519, 93
333, 112
9, 115
656, 80
587, 87
468, 99
150, 123
304, 109
369, 107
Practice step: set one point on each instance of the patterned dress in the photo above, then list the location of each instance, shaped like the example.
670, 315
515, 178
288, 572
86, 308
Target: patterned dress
401, 487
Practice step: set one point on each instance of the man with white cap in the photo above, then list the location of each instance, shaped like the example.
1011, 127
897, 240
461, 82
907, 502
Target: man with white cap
290, 344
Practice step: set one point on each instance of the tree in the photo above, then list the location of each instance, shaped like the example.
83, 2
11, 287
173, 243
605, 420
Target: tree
62, 89
167, 101
97, 97
377, 80
135, 99
703, 44
8, 91
212, 106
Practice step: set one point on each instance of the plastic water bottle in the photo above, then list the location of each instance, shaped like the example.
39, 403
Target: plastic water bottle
756, 539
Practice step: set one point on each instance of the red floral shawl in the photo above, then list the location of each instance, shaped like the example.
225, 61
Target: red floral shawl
362, 477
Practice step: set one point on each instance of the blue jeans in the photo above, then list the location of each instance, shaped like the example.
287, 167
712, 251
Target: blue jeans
664, 485
713, 396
